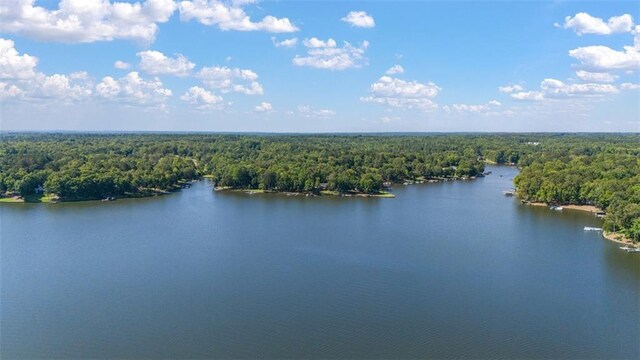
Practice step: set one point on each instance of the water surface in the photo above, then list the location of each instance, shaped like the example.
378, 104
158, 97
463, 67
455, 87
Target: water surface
444, 270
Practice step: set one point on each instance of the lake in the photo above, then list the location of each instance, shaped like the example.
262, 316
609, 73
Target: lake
444, 270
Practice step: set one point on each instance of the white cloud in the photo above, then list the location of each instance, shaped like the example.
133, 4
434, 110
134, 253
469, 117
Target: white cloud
326, 55
556, 89
404, 94
13, 65
133, 90
202, 99
60, 87
231, 16
41, 87
156, 63
231, 80
583, 23
121, 65
528, 95
79, 75
308, 111
26, 84
287, 43
23, 82
395, 69
359, 19
8, 90
264, 107
508, 89
601, 77
317, 43
629, 86
479, 108
604, 58
388, 86
86, 20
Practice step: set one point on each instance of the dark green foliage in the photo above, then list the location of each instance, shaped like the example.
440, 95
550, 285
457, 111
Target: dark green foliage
599, 169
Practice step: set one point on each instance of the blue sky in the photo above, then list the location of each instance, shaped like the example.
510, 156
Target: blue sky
208, 65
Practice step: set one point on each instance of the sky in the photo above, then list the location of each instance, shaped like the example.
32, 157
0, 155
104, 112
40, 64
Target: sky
320, 66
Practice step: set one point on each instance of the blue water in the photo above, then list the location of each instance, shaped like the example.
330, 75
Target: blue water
443, 270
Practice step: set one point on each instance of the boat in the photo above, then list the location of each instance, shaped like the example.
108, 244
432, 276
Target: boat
629, 248
557, 208
589, 228
509, 192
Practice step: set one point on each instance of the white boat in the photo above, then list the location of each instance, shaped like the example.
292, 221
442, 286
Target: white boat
557, 208
589, 228
630, 249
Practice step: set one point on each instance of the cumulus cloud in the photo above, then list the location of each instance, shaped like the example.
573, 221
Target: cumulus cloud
478, 108
22, 81
556, 89
603, 58
121, 65
629, 86
41, 87
13, 65
59, 86
359, 19
156, 63
132, 89
395, 69
264, 107
287, 43
231, 80
315, 43
308, 111
231, 16
508, 89
327, 55
82, 21
583, 23
403, 94
528, 95
202, 99
8, 91
601, 77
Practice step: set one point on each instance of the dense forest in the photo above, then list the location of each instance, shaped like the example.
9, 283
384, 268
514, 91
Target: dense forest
598, 169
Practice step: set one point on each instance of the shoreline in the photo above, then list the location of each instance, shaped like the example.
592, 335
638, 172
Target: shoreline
587, 208
54, 199
381, 194
608, 235
618, 238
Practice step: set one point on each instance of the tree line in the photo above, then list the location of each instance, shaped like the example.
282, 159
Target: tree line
598, 169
